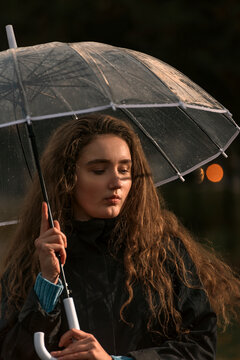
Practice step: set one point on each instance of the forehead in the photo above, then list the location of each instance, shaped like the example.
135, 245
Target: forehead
107, 147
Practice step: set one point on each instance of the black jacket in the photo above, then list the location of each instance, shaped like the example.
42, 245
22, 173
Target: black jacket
97, 282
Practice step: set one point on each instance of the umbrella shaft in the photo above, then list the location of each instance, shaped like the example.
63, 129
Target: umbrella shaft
45, 196
37, 163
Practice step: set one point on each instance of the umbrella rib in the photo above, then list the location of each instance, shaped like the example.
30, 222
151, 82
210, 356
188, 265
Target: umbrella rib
57, 94
20, 139
58, 115
114, 105
119, 73
139, 125
147, 67
5, 91
24, 98
106, 91
195, 167
38, 64
45, 74
202, 129
181, 103
232, 121
178, 103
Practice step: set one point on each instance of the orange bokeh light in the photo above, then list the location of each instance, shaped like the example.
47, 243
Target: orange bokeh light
214, 173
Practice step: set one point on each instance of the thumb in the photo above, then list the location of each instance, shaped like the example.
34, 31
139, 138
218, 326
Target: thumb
44, 222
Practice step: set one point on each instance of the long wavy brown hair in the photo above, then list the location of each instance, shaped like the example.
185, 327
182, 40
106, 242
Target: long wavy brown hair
147, 228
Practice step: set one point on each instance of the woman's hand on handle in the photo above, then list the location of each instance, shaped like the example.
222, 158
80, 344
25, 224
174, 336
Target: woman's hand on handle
80, 345
50, 242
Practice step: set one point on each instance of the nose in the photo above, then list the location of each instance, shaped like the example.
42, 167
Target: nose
115, 182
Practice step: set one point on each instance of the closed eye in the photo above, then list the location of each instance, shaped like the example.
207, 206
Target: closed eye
123, 171
98, 171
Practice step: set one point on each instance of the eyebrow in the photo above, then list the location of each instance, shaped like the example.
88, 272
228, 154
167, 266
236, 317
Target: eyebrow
105, 161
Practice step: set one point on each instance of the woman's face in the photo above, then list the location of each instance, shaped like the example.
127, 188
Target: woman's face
103, 173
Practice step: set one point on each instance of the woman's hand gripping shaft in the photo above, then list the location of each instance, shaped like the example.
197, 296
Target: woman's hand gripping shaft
50, 242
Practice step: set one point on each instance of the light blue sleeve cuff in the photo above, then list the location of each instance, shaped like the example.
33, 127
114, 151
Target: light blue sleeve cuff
47, 292
121, 357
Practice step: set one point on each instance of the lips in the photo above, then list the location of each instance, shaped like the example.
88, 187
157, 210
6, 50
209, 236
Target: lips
113, 200
113, 197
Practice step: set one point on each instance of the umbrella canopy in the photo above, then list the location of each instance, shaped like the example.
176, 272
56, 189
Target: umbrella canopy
180, 126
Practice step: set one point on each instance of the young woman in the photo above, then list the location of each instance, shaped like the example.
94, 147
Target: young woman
143, 288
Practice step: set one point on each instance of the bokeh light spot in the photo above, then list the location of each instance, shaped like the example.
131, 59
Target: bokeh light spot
214, 173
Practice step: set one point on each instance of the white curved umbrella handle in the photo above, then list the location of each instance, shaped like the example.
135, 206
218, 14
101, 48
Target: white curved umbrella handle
72, 323
40, 347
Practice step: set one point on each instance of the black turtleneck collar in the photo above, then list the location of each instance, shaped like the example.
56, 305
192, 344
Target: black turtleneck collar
92, 231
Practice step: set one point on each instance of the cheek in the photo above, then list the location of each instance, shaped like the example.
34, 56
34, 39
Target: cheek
88, 190
127, 189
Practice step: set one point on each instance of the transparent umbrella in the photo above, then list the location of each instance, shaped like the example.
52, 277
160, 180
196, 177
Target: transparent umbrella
180, 126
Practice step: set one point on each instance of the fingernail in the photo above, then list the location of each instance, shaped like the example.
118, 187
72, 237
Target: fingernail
55, 353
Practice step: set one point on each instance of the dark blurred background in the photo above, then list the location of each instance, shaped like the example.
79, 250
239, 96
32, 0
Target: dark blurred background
201, 39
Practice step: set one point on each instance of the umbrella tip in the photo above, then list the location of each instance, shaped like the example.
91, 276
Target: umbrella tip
181, 177
113, 106
223, 153
11, 37
182, 105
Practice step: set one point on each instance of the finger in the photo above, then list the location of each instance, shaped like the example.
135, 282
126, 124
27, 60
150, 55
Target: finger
77, 355
61, 251
71, 341
72, 334
52, 235
44, 222
56, 224
75, 348
83, 344
52, 249
55, 231
43, 244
